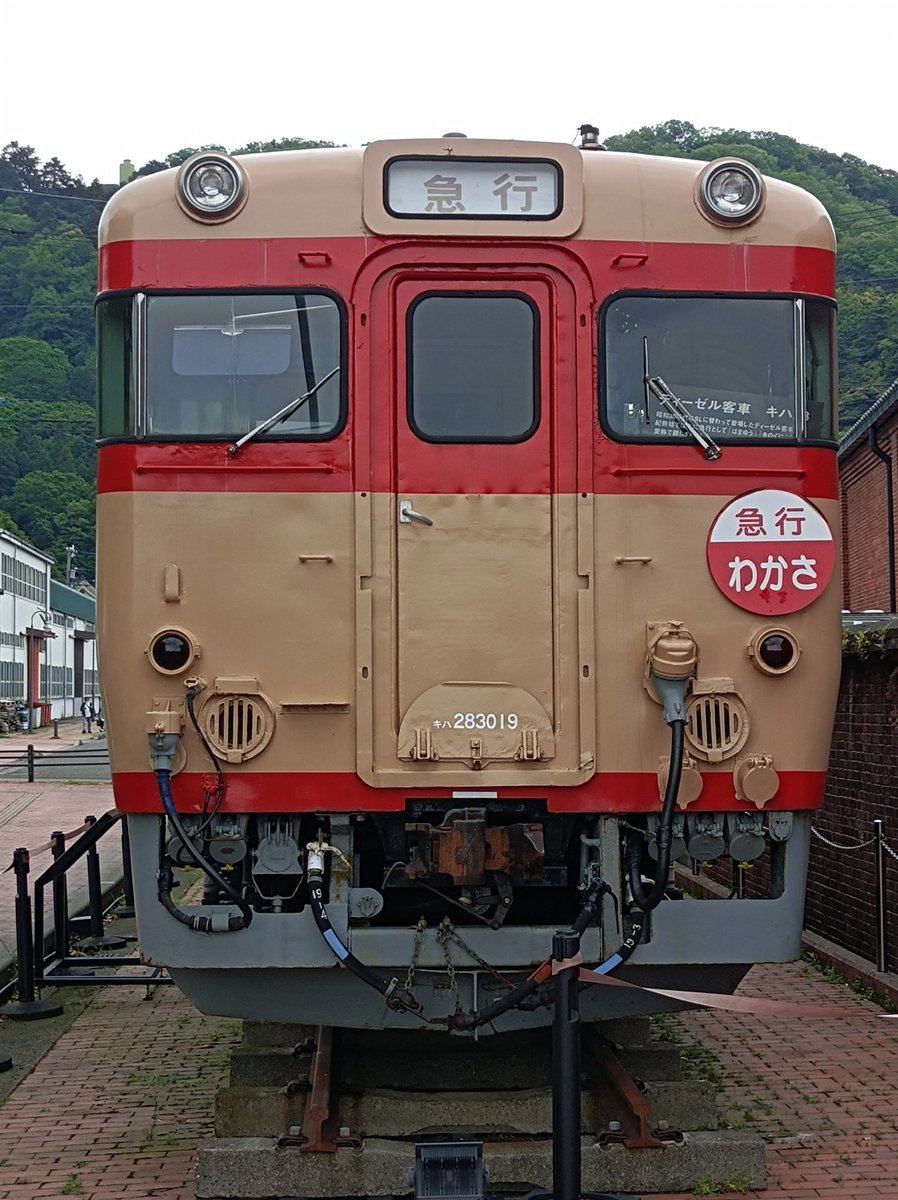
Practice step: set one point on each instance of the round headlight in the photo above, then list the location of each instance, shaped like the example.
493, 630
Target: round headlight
171, 651
211, 185
774, 651
731, 191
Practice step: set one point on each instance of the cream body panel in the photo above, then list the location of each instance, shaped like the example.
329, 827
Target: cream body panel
318, 194
677, 586
490, 594
255, 609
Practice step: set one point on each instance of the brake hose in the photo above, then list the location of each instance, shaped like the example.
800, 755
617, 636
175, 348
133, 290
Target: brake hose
529, 986
643, 900
165, 879
396, 997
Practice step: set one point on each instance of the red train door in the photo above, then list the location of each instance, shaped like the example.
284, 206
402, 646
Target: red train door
479, 593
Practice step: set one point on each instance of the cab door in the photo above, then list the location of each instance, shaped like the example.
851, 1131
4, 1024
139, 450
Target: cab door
480, 605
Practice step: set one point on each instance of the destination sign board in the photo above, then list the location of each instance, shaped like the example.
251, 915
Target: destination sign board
490, 188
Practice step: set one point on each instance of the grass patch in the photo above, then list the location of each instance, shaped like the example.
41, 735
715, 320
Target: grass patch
696, 1061
862, 990
73, 1185
739, 1184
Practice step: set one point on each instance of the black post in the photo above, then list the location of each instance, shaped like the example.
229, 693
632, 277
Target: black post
98, 939
880, 897
30, 763
26, 1008
126, 909
566, 1171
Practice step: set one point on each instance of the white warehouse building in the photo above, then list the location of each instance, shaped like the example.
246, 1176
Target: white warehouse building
48, 657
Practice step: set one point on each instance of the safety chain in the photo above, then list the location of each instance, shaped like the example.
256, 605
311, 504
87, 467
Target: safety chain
420, 929
443, 932
837, 846
454, 936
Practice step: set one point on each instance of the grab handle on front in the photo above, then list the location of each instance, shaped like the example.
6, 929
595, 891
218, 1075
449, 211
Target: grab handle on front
407, 514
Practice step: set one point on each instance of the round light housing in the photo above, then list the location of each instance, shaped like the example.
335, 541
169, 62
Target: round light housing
171, 651
731, 191
211, 186
774, 651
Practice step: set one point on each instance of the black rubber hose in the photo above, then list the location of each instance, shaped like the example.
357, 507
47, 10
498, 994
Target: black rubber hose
163, 781
396, 997
165, 881
643, 900
529, 986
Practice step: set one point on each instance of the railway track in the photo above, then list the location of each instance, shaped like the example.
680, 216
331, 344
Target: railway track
328, 1112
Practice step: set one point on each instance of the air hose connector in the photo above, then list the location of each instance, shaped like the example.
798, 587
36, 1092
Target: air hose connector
163, 747
672, 660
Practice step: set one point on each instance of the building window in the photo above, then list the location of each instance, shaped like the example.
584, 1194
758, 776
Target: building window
12, 680
21, 579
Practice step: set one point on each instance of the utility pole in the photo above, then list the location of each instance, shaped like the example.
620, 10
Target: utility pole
70, 554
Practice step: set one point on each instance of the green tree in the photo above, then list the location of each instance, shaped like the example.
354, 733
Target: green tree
288, 143
56, 509
32, 369
9, 525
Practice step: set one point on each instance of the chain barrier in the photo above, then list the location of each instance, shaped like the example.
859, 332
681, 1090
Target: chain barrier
888, 849
837, 846
880, 899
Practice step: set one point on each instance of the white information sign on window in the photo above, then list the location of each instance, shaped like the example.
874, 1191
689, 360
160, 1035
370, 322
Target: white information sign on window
457, 187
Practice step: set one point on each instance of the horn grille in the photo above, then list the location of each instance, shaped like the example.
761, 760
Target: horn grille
717, 726
237, 727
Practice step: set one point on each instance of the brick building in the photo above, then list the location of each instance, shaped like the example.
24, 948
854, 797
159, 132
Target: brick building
868, 463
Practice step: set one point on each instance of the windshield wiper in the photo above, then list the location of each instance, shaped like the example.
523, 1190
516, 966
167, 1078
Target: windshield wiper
282, 414
676, 408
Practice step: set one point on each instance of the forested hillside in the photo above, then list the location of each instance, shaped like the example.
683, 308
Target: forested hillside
48, 223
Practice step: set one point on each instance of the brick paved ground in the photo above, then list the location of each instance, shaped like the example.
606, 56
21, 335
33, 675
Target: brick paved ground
821, 1093
114, 1111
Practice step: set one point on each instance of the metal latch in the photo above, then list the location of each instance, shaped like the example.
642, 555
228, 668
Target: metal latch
423, 749
529, 749
407, 514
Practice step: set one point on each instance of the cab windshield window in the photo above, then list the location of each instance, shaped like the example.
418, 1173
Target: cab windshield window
743, 369
219, 366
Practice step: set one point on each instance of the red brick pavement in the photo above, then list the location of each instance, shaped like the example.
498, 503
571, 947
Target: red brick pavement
114, 1111
821, 1093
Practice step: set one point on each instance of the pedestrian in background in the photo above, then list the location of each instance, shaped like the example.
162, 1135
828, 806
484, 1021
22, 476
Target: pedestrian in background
87, 713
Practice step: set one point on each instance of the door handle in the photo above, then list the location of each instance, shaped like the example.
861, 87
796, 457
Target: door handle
407, 514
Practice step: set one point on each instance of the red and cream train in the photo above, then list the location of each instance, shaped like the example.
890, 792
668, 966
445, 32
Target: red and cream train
466, 516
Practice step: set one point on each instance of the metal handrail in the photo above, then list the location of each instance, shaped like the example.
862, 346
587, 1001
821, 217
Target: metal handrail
45, 969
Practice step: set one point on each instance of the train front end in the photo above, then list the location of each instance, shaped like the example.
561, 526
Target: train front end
466, 552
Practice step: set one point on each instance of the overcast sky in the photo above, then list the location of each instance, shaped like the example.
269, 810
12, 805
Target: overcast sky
96, 81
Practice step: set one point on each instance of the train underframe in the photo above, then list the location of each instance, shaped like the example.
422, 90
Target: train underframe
458, 903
